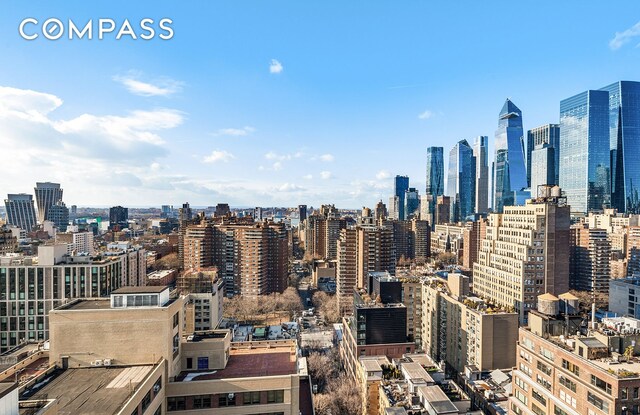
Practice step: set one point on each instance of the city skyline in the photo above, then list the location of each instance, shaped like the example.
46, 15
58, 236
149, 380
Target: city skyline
279, 120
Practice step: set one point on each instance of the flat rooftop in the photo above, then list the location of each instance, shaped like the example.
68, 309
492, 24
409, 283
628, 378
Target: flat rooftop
248, 365
103, 304
98, 391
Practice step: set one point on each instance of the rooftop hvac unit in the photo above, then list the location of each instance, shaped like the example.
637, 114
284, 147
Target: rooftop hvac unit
106, 362
96, 362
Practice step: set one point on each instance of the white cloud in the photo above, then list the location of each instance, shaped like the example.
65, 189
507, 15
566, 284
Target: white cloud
425, 115
219, 155
236, 132
383, 174
275, 66
289, 187
272, 155
157, 87
26, 104
307, 176
621, 38
324, 175
327, 157
277, 166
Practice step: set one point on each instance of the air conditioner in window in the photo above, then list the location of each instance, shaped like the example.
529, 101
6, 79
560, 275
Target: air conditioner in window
231, 396
156, 388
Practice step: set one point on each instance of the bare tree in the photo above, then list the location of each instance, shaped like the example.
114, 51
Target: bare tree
328, 306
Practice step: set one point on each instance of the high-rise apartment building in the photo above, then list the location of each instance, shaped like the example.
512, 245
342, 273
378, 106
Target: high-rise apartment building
321, 235
590, 259
362, 250
20, 211
624, 142
480, 152
461, 329
380, 211
47, 194
8, 242
564, 369
198, 247
435, 178
443, 210
509, 169
118, 217
524, 254
584, 151
302, 212
461, 184
32, 286
473, 235
633, 251
400, 187
545, 157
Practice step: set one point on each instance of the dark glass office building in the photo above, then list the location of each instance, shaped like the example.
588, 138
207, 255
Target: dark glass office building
624, 143
461, 183
509, 169
584, 150
400, 187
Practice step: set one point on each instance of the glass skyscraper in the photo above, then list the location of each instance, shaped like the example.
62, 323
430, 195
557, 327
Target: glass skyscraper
435, 179
461, 181
509, 169
624, 143
20, 211
411, 203
480, 152
47, 195
400, 187
545, 157
584, 150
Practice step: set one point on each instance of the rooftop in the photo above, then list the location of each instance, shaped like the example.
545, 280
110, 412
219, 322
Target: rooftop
438, 400
248, 365
97, 391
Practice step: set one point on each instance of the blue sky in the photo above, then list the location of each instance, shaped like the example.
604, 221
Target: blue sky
357, 92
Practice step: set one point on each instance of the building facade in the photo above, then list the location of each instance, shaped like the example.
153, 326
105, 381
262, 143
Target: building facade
461, 184
20, 211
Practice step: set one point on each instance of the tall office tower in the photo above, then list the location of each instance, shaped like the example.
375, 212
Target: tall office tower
584, 150
381, 211
47, 195
624, 142
165, 211
590, 266
400, 187
443, 210
222, 209
20, 211
435, 178
421, 238
198, 247
545, 157
394, 208
402, 239
302, 212
73, 213
347, 269
461, 184
427, 206
528, 143
525, 254
411, 203
185, 213
480, 152
118, 217
59, 215
509, 170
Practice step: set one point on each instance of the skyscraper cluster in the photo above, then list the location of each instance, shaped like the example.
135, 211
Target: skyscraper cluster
21, 211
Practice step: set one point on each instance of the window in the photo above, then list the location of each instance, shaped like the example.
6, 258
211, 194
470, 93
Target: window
544, 368
542, 381
601, 384
558, 411
538, 397
203, 363
567, 383
546, 353
522, 384
176, 345
571, 367
515, 409
176, 319
201, 401
250, 398
538, 411
157, 386
276, 396
597, 402
158, 411
189, 362
624, 393
228, 399
146, 401
117, 301
135, 411
176, 403
521, 397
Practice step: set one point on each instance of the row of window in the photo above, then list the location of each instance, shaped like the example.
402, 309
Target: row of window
181, 403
